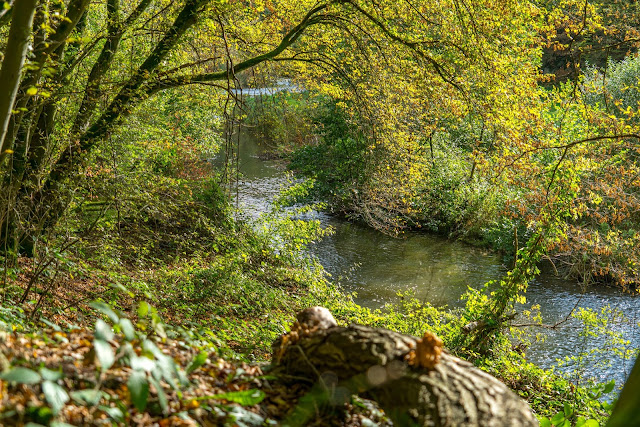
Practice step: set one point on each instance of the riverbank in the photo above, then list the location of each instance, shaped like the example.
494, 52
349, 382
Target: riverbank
235, 322
444, 183
438, 271
235, 292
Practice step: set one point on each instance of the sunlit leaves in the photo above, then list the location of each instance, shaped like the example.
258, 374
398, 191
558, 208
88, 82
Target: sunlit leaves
56, 396
104, 353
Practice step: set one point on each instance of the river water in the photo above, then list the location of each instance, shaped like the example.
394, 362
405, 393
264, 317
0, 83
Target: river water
438, 271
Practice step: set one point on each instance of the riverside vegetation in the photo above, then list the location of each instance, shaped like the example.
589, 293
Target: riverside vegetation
133, 294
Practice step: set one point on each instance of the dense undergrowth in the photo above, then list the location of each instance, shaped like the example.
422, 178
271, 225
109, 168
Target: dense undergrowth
454, 180
228, 290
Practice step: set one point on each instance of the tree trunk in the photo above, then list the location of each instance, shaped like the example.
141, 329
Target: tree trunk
15, 53
374, 361
627, 409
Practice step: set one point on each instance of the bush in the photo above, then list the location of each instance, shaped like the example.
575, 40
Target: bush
615, 88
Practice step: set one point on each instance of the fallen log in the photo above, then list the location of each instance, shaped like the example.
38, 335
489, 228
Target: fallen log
413, 380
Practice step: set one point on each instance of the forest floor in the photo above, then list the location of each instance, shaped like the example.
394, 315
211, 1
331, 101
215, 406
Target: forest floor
214, 391
158, 372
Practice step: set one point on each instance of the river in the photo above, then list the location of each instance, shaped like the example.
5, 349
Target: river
437, 270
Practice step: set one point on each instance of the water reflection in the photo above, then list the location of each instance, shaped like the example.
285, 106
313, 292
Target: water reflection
377, 267
418, 263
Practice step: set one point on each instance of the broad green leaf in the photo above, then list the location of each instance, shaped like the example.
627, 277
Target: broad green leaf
568, 410
60, 424
106, 310
142, 363
50, 375
21, 375
557, 418
103, 330
113, 413
608, 388
580, 422
545, 422
56, 396
162, 397
244, 397
242, 417
169, 371
151, 347
139, 389
198, 361
104, 353
127, 329
88, 397
591, 423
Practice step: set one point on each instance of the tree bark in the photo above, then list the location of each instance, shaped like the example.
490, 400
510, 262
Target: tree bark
627, 409
15, 53
373, 361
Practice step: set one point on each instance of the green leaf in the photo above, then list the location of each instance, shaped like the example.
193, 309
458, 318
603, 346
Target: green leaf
55, 395
104, 353
139, 389
591, 423
103, 330
568, 410
51, 324
242, 417
608, 388
21, 375
366, 422
142, 363
162, 397
169, 371
198, 361
158, 326
59, 424
557, 418
580, 422
88, 397
50, 375
32, 91
113, 413
244, 397
545, 422
151, 347
106, 310
143, 309
127, 329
